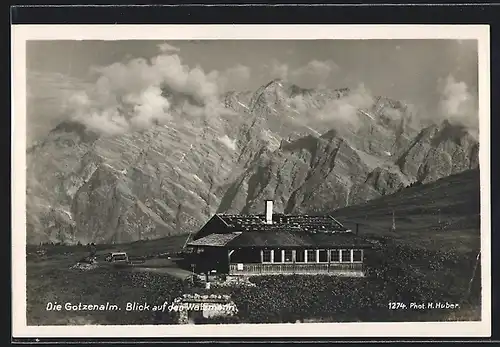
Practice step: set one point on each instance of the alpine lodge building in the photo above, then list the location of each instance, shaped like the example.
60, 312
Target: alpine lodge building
247, 245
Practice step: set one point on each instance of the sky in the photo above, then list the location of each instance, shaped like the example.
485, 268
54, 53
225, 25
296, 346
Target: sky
431, 74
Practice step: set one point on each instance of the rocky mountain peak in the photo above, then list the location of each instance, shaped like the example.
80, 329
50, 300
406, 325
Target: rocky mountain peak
268, 96
70, 127
455, 132
294, 90
173, 177
440, 150
446, 131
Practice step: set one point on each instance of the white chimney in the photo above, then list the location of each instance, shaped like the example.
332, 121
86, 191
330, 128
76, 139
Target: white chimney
269, 212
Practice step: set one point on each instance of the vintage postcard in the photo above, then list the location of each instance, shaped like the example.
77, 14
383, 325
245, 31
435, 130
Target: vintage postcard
288, 181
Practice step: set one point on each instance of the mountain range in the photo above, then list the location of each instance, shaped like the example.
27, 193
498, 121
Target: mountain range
310, 150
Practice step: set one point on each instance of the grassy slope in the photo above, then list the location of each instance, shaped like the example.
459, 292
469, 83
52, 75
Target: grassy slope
416, 263
50, 279
416, 211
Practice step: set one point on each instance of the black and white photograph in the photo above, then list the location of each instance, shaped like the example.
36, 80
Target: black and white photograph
184, 179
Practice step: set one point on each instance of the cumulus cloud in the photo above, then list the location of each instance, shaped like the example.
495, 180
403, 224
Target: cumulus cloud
314, 73
345, 110
455, 97
299, 103
278, 70
342, 112
311, 75
456, 102
125, 96
165, 47
140, 93
46, 99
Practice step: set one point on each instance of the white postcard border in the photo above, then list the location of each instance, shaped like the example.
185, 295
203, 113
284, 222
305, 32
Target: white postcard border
22, 33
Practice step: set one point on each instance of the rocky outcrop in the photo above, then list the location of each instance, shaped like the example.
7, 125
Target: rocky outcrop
311, 175
439, 151
135, 186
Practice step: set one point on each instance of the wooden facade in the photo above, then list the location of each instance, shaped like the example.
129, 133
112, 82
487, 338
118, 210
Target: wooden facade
252, 261
348, 269
302, 261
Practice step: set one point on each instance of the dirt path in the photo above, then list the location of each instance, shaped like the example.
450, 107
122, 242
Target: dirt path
175, 272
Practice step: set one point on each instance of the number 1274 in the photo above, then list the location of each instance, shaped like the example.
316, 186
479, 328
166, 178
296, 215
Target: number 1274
396, 306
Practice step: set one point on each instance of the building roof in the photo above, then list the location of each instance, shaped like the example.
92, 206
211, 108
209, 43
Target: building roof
282, 222
286, 231
282, 239
297, 239
216, 240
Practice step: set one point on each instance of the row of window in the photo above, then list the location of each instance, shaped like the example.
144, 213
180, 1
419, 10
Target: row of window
312, 256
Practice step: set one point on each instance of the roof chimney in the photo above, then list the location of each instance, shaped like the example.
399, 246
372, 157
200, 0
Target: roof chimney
269, 212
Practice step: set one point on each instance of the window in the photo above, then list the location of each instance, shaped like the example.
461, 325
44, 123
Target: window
357, 255
246, 256
288, 256
334, 255
311, 256
323, 256
346, 255
300, 256
266, 256
278, 256
119, 257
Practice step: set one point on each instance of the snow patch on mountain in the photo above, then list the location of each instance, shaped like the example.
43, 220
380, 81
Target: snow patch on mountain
243, 105
228, 142
197, 178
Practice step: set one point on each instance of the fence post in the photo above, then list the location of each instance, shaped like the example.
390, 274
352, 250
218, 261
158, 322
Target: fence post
473, 275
